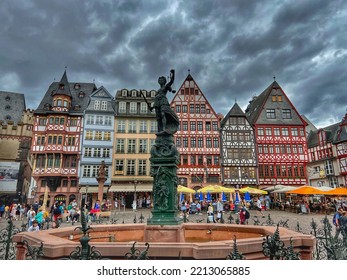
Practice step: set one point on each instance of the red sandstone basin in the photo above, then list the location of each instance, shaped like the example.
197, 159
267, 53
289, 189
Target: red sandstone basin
188, 240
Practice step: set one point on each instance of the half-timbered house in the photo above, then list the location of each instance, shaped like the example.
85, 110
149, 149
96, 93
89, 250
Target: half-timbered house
197, 139
340, 140
280, 138
238, 154
56, 143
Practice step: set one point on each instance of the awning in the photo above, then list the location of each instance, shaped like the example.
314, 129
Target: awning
92, 190
131, 188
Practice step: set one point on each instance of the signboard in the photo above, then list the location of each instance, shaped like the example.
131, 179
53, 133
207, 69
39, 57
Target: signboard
8, 176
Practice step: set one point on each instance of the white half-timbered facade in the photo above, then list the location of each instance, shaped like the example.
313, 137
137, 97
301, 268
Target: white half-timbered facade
340, 140
238, 154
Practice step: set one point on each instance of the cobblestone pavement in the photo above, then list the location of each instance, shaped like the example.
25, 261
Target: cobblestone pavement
292, 219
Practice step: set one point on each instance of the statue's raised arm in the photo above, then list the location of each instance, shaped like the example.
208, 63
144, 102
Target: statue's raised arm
172, 79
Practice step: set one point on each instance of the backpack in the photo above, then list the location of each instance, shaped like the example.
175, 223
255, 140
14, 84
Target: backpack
56, 211
247, 214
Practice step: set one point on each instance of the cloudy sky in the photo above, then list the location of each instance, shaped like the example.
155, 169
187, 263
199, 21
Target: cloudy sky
233, 48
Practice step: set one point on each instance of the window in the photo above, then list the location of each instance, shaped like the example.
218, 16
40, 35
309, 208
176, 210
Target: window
97, 152
131, 146
142, 167
185, 142
104, 105
120, 146
285, 131
260, 148
95, 170
154, 126
200, 160
184, 126
199, 126
99, 120
124, 92
108, 120
300, 149
70, 141
192, 160
89, 135
277, 131
86, 171
133, 107
270, 114
106, 153
184, 108
178, 108
90, 119
215, 126
197, 109
329, 170
130, 167
286, 114
268, 131
73, 121
216, 160
87, 152
96, 105
121, 126
142, 146
294, 131
42, 121
143, 126
208, 126
215, 142
132, 126
208, 142
192, 126
143, 108
107, 136
119, 166
260, 131
202, 107
178, 142
193, 142
98, 135
200, 142
191, 108
50, 160
122, 107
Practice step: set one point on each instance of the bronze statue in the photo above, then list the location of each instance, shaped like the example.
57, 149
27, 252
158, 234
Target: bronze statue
167, 119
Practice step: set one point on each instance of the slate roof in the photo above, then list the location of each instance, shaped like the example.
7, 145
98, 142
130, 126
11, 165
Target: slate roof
235, 111
12, 106
330, 131
65, 90
74, 88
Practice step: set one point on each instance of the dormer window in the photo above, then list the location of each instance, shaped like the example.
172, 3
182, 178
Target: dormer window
77, 107
124, 92
153, 93
7, 98
8, 117
47, 106
61, 86
133, 93
81, 94
77, 86
59, 102
7, 107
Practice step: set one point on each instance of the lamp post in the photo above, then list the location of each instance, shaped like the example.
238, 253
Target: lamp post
86, 198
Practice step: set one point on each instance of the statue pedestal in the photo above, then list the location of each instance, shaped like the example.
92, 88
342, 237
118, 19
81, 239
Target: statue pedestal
164, 160
101, 182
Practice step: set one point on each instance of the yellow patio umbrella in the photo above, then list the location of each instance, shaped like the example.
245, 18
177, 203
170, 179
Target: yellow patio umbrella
337, 192
216, 189
184, 189
252, 190
307, 190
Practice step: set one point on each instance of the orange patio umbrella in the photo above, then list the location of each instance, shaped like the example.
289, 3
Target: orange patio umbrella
337, 191
307, 190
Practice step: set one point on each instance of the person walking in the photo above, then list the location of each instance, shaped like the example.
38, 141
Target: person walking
260, 208
336, 222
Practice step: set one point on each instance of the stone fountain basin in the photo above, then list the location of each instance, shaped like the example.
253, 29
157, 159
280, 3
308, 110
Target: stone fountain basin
188, 240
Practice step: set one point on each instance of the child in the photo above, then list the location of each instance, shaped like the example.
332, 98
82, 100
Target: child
34, 226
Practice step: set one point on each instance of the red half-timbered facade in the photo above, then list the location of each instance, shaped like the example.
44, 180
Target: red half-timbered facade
280, 138
197, 139
56, 142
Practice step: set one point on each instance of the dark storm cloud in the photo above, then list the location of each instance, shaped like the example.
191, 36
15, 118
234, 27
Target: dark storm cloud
232, 48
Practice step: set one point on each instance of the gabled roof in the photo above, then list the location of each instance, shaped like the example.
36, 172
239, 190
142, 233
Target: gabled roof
12, 106
330, 131
256, 114
102, 93
235, 111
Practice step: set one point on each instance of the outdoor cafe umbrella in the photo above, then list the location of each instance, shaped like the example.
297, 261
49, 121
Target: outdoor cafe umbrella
252, 190
181, 197
184, 189
216, 189
307, 190
247, 196
208, 196
201, 197
337, 192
